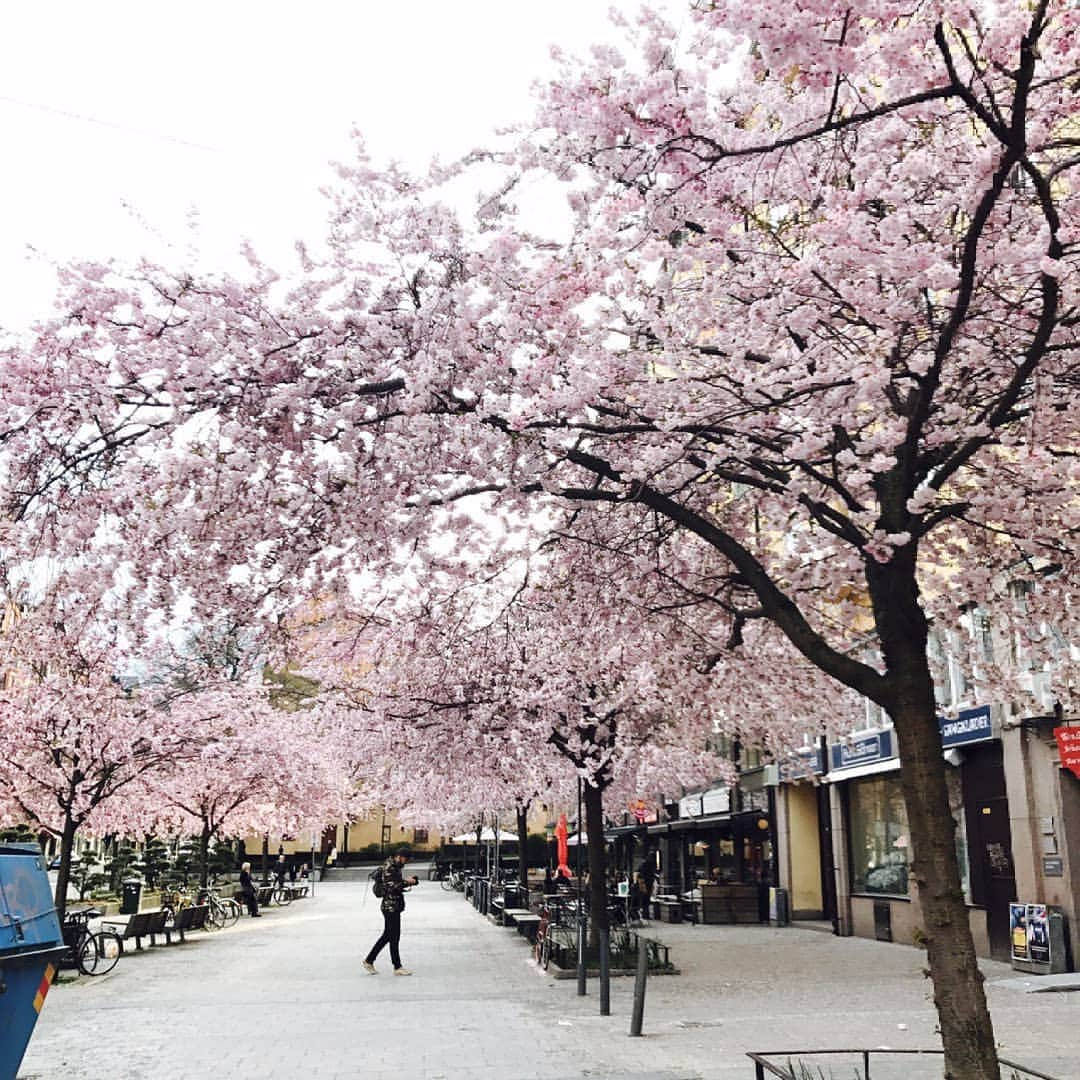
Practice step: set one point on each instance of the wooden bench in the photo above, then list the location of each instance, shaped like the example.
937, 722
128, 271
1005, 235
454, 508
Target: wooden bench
667, 909
189, 918
527, 925
298, 889
143, 924
263, 893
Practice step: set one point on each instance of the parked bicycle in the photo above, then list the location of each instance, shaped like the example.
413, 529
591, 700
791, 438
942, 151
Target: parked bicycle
553, 935
174, 900
454, 880
92, 952
224, 911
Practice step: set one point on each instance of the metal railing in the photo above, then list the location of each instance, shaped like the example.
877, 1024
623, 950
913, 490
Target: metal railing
801, 1065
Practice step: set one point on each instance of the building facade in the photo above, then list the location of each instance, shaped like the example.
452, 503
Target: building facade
844, 847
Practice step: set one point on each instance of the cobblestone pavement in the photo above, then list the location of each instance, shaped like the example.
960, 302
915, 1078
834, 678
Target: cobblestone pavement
285, 997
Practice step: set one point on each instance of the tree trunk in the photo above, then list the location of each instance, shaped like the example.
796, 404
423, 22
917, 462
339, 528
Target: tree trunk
266, 859
67, 845
204, 856
966, 1029
594, 824
523, 848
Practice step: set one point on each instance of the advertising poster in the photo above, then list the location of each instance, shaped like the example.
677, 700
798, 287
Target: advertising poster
1038, 933
1018, 931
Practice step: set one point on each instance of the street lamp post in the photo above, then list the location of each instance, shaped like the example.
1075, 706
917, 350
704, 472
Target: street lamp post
581, 972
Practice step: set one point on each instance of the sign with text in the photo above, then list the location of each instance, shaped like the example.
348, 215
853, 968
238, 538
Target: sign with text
969, 726
805, 762
1068, 743
715, 801
862, 750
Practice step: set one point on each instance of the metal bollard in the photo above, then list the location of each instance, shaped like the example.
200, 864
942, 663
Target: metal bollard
581, 973
605, 972
639, 988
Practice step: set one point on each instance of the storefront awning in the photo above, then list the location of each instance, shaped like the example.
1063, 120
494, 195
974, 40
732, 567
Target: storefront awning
694, 824
872, 769
617, 831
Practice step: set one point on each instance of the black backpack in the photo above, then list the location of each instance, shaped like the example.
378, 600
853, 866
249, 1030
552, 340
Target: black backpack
377, 886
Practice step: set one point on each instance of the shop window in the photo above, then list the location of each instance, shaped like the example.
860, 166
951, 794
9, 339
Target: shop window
956, 806
420, 836
724, 866
879, 836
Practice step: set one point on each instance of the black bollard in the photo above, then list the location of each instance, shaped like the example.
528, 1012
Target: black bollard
639, 988
581, 975
605, 972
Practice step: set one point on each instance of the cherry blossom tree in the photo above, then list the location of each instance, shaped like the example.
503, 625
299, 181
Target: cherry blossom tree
77, 743
260, 755
850, 280
251, 769
508, 690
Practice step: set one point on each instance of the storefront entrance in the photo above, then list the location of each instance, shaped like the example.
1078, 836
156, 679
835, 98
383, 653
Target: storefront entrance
986, 808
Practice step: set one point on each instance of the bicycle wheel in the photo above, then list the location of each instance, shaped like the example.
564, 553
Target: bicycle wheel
215, 917
448, 883
86, 954
282, 897
109, 948
230, 912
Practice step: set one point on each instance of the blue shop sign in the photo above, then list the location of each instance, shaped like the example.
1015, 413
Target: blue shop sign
862, 750
970, 726
808, 761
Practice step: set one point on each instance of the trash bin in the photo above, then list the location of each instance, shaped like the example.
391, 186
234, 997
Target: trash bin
130, 895
779, 907
30, 948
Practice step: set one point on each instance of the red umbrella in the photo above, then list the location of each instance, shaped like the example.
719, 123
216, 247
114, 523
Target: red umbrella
562, 834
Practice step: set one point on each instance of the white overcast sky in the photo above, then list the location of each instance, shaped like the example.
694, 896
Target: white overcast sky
117, 118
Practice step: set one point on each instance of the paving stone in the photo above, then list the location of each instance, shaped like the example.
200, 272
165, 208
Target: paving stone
286, 996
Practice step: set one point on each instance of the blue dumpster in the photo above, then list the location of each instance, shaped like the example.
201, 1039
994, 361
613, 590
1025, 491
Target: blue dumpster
30, 949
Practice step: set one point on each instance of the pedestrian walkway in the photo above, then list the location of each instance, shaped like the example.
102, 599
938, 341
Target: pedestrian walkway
285, 997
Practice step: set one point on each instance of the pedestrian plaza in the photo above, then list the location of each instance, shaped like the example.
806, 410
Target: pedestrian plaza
286, 997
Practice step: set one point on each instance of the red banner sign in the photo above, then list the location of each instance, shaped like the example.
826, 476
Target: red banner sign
562, 835
1068, 741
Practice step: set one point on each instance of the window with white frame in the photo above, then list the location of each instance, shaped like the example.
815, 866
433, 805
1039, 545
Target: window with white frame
939, 668
983, 633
